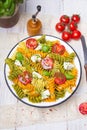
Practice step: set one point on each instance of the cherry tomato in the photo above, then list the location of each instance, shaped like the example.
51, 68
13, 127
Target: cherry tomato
64, 19
75, 18
83, 108
59, 49
47, 63
59, 27
76, 34
59, 78
25, 78
72, 26
31, 43
66, 36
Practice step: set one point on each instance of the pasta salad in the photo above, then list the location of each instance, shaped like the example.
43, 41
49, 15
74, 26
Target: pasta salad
42, 70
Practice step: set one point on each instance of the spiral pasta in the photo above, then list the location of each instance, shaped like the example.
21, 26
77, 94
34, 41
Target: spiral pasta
39, 74
19, 91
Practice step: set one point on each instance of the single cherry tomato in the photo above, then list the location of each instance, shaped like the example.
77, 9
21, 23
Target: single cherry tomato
75, 18
72, 26
47, 63
66, 36
60, 27
31, 43
83, 108
57, 48
64, 19
25, 78
76, 34
59, 78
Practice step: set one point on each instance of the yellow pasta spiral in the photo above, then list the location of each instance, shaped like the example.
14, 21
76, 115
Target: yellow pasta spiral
28, 86
51, 88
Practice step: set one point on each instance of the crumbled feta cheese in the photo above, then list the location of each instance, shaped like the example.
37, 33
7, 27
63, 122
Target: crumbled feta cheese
68, 65
33, 58
35, 74
39, 47
45, 94
17, 62
36, 58
39, 59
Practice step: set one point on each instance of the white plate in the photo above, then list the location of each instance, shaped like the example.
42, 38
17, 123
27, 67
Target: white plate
45, 104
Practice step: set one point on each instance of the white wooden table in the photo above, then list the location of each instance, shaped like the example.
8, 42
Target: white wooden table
15, 115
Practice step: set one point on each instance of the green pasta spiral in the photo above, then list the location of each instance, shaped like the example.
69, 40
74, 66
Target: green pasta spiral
57, 57
42, 39
59, 94
15, 70
35, 99
61, 59
57, 67
14, 74
19, 91
26, 64
71, 57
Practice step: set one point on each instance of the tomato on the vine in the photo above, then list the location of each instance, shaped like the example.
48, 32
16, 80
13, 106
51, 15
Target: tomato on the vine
75, 18
59, 27
59, 49
72, 26
76, 34
65, 19
66, 36
68, 26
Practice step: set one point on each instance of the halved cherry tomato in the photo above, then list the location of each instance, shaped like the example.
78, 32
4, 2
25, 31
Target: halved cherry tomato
25, 78
83, 108
72, 26
76, 34
66, 36
65, 19
59, 78
75, 18
59, 27
31, 43
59, 49
47, 63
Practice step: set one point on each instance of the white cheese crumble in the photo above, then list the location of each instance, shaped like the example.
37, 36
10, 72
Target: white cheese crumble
36, 75
45, 94
39, 47
68, 65
17, 62
36, 58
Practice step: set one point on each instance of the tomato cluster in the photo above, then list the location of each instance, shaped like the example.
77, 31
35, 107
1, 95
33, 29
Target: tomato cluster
69, 27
